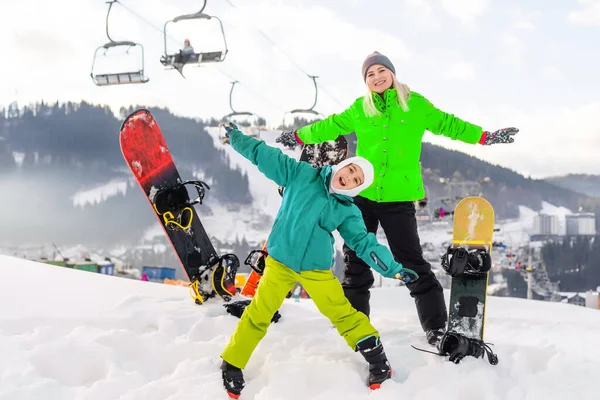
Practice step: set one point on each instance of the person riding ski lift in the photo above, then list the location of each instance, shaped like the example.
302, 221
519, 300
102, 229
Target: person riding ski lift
183, 56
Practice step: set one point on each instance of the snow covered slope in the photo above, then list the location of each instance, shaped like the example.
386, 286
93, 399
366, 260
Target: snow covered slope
67, 334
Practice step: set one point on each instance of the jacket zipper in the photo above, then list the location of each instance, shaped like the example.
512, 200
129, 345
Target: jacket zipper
378, 261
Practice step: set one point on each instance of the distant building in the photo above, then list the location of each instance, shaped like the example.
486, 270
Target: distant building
581, 224
592, 299
546, 225
575, 299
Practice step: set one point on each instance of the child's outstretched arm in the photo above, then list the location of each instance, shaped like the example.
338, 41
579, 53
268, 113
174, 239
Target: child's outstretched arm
366, 246
270, 160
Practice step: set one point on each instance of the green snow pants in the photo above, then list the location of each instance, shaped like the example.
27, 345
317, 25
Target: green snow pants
277, 280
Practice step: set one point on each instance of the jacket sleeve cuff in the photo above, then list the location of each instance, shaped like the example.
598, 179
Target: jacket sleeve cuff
233, 134
298, 138
483, 137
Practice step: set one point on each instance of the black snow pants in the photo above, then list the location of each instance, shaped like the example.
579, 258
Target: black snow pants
400, 226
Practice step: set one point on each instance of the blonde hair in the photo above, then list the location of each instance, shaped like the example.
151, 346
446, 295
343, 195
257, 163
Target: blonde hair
402, 90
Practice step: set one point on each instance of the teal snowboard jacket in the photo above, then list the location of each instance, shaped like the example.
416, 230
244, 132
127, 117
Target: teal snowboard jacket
301, 236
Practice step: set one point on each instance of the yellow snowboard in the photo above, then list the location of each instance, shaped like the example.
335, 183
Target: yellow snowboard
468, 261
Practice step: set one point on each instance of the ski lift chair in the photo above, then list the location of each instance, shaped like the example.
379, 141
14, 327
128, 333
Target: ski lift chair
234, 113
168, 60
118, 78
310, 110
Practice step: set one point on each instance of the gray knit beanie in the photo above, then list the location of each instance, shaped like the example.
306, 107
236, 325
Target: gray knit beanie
376, 58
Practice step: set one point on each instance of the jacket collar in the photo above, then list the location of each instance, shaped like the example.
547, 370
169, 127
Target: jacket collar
326, 174
386, 100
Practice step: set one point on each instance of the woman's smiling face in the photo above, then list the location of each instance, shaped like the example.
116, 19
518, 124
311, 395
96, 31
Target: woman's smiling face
379, 78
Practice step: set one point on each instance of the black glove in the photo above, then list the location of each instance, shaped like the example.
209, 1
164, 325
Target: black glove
229, 126
503, 135
237, 308
288, 139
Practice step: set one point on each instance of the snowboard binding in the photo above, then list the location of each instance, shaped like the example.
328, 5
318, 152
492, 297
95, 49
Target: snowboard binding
217, 279
457, 346
257, 263
460, 262
173, 204
237, 308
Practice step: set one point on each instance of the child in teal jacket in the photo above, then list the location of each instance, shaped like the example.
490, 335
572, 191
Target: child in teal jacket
315, 203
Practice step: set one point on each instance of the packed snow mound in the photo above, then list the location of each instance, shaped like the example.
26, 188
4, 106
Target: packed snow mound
67, 334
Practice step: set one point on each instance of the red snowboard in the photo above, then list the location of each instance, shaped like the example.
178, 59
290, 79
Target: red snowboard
147, 155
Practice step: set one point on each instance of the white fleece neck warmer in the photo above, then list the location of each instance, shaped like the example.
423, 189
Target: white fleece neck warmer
367, 169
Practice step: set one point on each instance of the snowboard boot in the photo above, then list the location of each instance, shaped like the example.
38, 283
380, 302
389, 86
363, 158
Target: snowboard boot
233, 379
434, 336
379, 367
458, 346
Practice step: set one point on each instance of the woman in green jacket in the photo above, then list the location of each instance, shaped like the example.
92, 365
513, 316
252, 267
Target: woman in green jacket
315, 203
389, 123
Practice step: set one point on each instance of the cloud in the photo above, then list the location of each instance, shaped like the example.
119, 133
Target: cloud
424, 11
550, 140
587, 15
525, 20
466, 10
551, 72
326, 33
36, 44
513, 41
513, 47
461, 71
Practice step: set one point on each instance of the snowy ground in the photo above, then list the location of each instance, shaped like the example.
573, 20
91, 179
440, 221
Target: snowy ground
67, 334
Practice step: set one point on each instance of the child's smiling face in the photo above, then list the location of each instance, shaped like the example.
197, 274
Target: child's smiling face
348, 178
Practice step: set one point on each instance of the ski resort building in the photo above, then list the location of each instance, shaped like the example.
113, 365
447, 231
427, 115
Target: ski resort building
581, 224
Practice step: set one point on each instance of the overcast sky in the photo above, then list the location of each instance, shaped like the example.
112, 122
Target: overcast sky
531, 64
